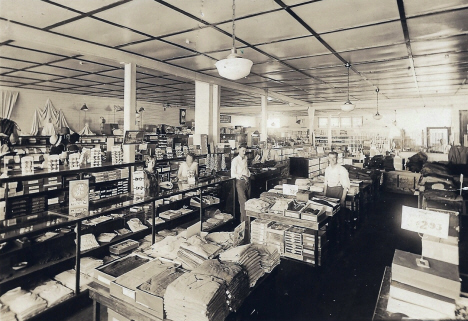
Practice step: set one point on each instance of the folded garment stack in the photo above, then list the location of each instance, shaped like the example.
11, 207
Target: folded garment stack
158, 284
166, 248
248, 257
68, 278
269, 256
6, 314
194, 297
224, 239
53, 292
195, 251
257, 205
88, 264
258, 230
235, 277
280, 206
24, 305
167, 233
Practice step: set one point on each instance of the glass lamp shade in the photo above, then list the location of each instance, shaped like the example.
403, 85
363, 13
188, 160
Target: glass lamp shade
348, 106
377, 116
234, 67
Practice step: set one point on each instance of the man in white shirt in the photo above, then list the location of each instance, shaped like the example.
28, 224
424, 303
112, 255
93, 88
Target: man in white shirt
241, 173
270, 154
336, 179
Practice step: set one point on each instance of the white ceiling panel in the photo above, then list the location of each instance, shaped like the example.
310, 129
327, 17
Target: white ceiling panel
17, 79
108, 34
9, 63
215, 11
245, 52
38, 14
32, 75
380, 35
442, 69
451, 44
81, 65
375, 54
149, 17
56, 71
116, 73
195, 63
288, 75
382, 66
353, 13
203, 40
96, 78
56, 84
295, 48
271, 66
77, 82
439, 25
441, 59
314, 62
157, 81
158, 49
86, 5
28, 55
417, 7
267, 28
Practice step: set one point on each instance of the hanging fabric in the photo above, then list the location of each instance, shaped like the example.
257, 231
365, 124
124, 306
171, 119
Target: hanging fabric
8, 102
86, 131
49, 119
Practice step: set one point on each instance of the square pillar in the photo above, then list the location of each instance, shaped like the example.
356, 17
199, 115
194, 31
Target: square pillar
311, 113
129, 108
263, 120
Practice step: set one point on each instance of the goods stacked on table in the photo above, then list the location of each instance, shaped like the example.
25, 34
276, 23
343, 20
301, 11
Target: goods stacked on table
166, 248
68, 278
234, 276
248, 257
53, 292
423, 293
195, 251
194, 297
257, 205
293, 243
275, 235
258, 231
269, 256
23, 303
6, 314
280, 206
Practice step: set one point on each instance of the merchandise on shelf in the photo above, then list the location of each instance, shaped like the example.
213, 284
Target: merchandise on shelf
117, 155
95, 155
74, 161
27, 165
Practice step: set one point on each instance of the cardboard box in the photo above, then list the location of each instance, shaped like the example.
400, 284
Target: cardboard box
441, 249
114, 316
105, 278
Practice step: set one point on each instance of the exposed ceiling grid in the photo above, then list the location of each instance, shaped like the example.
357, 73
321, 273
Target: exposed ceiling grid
416, 48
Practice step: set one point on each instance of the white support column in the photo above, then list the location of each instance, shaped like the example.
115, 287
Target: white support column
311, 113
216, 90
329, 134
203, 111
263, 120
129, 108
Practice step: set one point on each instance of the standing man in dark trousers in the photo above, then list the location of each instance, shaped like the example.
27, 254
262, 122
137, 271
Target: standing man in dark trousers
241, 173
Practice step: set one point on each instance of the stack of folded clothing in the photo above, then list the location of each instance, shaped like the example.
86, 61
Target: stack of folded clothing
275, 235
6, 314
88, 264
88, 242
12, 295
170, 214
68, 278
195, 251
53, 292
258, 230
269, 197
280, 206
248, 257
194, 297
256, 205
158, 283
26, 305
167, 233
224, 239
136, 225
269, 256
167, 248
234, 276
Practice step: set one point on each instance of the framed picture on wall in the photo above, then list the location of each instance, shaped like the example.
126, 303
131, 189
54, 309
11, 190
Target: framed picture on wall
182, 114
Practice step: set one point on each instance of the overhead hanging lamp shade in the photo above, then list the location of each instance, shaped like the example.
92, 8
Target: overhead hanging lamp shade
348, 106
377, 116
234, 67
84, 107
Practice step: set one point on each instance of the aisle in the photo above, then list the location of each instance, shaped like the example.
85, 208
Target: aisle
346, 288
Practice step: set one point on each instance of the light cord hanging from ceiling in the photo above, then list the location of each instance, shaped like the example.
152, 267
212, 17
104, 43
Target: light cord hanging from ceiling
377, 116
347, 106
234, 67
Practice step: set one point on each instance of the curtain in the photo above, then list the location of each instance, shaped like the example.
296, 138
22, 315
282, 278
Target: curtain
8, 102
49, 119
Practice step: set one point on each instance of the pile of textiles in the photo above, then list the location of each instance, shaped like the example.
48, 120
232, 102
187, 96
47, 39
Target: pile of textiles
256, 205
158, 283
248, 257
269, 256
303, 183
258, 230
194, 297
195, 251
280, 206
416, 162
167, 233
234, 276
88, 264
23, 303
53, 292
166, 248
6, 314
68, 278
270, 198
223, 239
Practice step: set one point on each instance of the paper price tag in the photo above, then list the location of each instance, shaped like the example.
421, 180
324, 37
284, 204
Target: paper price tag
290, 189
423, 221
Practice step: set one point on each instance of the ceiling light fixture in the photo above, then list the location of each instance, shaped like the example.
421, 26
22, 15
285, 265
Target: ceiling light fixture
377, 116
395, 122
234, 67
84, 107
348, 106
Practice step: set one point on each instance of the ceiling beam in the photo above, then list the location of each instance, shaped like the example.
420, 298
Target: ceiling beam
15, 31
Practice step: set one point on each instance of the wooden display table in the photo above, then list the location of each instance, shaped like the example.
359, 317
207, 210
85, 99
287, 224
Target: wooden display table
380, 311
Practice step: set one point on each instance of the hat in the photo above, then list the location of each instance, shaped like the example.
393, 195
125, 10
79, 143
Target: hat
73, 148
74, 138
54, 150
64, 131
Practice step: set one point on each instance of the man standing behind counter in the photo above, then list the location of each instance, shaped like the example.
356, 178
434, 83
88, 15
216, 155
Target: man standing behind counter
241, 173
336, 182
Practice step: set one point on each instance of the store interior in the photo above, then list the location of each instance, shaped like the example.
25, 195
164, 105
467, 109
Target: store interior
146, 82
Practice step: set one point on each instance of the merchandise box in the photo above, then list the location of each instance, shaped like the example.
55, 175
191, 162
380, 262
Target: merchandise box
314, 162
123, 247
441, 249
34, 182
105, 278
303, 196
331, 208
114, 316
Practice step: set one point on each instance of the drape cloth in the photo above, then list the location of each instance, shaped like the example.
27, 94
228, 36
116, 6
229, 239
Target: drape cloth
8, 102
86, 131
49, 114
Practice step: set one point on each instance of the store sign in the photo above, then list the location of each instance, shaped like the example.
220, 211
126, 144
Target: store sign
290, 189
426, 222
224, 118
78, 205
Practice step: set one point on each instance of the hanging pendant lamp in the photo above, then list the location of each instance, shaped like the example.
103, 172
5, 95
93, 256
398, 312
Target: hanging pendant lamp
348, 105
377, 116
234, 67
395, 122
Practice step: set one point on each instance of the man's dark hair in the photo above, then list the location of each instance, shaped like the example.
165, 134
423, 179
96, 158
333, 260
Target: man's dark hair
333, 153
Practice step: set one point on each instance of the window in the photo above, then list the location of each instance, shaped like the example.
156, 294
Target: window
345, 121
323, 122
357, 121
335, 122
273, 123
